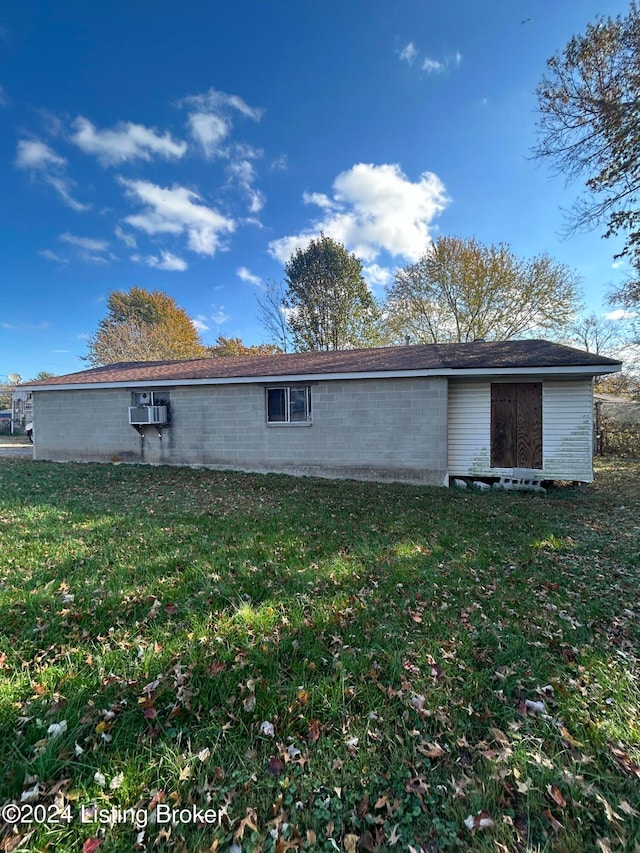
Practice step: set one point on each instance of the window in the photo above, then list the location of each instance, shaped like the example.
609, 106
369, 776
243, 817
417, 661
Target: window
150, 398
289, 405
516, 425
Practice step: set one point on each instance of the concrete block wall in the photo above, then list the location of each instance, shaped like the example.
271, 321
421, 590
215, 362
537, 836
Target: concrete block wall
88, 425
378, 429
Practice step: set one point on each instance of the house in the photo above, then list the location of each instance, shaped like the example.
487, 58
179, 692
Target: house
623, 410
418, 414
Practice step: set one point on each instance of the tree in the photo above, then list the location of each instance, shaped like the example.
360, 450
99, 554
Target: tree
43, 374
143, 326
590, 124
225, 347
460, 290
596, 334
6, 390
273, 315
614, 338
329, 304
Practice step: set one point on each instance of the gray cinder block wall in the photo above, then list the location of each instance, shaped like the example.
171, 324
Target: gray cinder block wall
382, 429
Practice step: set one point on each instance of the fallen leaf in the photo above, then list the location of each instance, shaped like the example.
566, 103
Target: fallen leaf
482, 820
275, 766
367, 843
555, 824
57, 729
116, 782
91, 844
350, 843
352, 744
313, 732
158, 797
249, 821
267, 729
430, 750
11, 842
31, 794
626, 762
627, 809
556, 795
499, 736
566, 735
417, 701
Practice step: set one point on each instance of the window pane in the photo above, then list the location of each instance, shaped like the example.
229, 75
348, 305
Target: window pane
298, 404
276, 406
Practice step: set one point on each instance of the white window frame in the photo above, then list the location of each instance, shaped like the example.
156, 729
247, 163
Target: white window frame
287, 422
154, 398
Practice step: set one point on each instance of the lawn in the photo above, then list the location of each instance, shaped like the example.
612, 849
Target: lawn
196, 660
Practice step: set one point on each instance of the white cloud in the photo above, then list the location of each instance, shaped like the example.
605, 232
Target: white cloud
375, 209
4, 98
128, 239
217, 102
176, 211
220, 315
89, 244
280, 164
166, 261
210, 125
34, 154
621, 314
41, 160
319, 199
618, 264
91, 250
375, 274
246, 275
126, 142
63, 187
211, 120
409, 53
52, 256
208, 130
432, 66
200, 323
242, 171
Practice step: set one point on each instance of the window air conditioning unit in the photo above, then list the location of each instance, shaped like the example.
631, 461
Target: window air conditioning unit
147, 415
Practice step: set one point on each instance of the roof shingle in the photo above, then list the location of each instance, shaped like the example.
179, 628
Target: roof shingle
432, 357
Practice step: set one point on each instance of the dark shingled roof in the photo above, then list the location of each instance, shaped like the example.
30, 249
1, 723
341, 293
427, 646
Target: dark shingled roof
432, 357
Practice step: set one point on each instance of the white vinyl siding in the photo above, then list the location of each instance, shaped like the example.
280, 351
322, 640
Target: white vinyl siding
567, 407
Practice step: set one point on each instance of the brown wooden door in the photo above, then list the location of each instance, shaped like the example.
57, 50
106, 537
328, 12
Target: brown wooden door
503, 424
516, 425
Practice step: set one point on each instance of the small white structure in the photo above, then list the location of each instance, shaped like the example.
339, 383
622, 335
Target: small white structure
21, 408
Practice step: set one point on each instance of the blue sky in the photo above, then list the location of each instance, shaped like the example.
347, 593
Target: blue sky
190, 147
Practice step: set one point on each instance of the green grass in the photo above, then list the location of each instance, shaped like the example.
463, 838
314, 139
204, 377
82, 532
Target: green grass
391, 635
